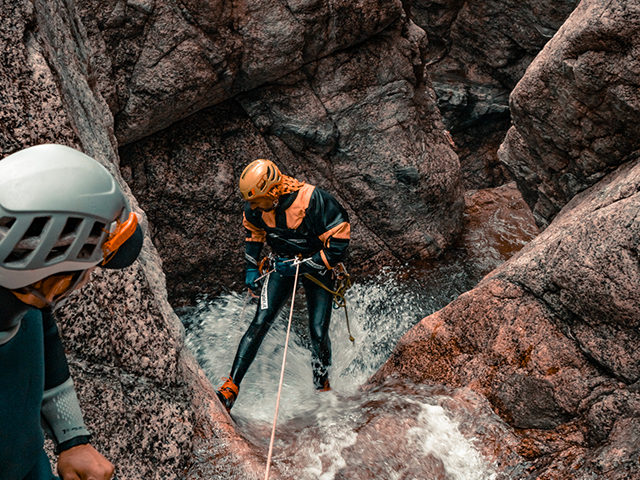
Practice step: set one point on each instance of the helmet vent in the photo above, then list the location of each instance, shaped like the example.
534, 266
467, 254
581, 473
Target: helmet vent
30, 240
66, 239
5, 225
92, 240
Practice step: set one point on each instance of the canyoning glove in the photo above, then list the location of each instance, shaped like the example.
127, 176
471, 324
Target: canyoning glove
250, 280
287, 268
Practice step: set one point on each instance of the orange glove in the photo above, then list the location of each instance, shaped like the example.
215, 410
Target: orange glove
83, 462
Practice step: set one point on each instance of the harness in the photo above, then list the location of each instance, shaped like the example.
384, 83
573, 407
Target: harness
343, 283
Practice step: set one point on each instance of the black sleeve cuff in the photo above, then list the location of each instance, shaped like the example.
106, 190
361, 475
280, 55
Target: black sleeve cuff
74, 442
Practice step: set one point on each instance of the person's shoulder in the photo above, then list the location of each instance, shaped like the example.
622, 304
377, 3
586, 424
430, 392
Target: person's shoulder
252, 216
319, 192
12, 309
246, 208
323, 196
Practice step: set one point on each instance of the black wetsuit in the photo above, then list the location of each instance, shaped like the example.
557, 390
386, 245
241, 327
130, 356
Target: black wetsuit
312, 223
32, 361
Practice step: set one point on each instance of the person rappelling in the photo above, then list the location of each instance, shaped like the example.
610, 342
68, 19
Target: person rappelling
308, 232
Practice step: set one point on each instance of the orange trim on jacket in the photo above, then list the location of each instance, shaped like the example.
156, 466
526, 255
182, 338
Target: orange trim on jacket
296, 212
257, 234
341, 231
309, 222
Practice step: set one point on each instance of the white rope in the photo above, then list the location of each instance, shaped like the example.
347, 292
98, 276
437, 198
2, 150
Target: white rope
284, 360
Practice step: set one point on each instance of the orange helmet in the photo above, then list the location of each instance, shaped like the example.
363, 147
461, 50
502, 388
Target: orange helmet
258, 178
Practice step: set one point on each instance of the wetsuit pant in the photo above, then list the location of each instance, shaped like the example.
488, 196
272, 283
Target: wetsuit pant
21, 388
278, 290
41, 470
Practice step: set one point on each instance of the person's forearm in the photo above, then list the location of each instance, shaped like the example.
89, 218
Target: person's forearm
62, 417
61, 414
252, 252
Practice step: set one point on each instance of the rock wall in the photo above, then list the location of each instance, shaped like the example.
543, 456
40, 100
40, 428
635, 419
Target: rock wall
176, 97
575, 111
477, 52
115, 72
551, 336
163, 60
360, 122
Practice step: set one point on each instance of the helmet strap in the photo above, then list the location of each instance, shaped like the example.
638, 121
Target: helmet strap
121, 234
51, 290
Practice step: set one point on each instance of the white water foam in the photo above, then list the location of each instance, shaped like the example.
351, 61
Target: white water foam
318, 433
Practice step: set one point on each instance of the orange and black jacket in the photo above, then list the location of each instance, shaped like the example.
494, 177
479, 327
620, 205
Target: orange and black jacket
309, 222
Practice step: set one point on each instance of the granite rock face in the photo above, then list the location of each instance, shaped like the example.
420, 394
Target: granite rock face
176, 97
361, 123
551, 338
67, 75
169, 59
477, 52
575, 111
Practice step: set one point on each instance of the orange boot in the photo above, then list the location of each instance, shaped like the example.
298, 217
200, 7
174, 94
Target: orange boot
321, 381
228, 393
325, 387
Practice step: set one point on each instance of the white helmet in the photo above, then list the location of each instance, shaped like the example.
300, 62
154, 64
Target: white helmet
57, 209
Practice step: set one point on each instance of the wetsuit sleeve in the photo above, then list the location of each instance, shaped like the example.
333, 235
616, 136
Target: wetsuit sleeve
331, 223
252, 252
11, 312
61, 414
254, 241
253, 233
56, 368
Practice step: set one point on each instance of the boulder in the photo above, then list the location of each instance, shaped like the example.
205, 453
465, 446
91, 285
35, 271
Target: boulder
575, 110
163, 60
477, 52
360, 123
145, 399
550, 337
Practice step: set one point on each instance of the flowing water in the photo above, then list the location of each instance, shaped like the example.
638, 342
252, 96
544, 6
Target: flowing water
393, 432
390, 432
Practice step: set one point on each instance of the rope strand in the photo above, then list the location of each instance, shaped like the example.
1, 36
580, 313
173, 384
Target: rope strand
284, 360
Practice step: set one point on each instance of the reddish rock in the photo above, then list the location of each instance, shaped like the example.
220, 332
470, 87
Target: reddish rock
497, 224
551, 336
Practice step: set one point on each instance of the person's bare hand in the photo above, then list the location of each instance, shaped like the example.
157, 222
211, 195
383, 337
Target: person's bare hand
83, 462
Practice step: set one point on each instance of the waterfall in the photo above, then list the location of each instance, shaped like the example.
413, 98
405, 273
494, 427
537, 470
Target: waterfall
390, 432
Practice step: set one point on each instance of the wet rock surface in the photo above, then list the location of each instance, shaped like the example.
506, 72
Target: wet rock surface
145, 398
550, 336
176, 97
